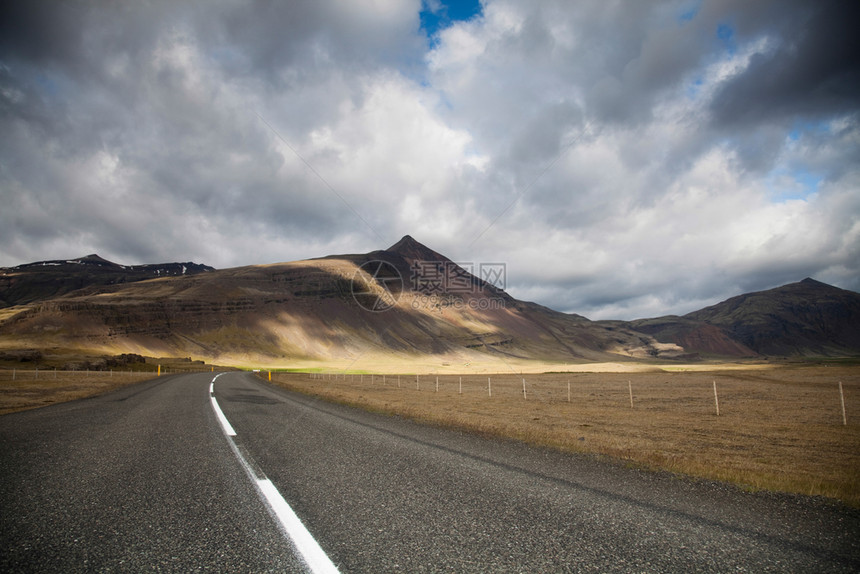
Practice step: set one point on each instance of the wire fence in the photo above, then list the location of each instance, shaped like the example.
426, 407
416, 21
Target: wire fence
811, 399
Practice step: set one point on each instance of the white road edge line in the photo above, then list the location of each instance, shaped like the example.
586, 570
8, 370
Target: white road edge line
312, 553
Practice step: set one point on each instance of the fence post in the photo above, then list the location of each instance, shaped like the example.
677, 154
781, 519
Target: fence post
842, 399
716, 399
489, 387
568, 391
461, 385
630, 389
524, 389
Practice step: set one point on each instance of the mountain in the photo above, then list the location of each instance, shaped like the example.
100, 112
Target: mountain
397, 304
406, 304
412, 250
46, 279
808, 318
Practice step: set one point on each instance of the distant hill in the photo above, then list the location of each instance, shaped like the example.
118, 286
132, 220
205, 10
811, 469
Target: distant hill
401, 303
404, 304
808, 318
44, 280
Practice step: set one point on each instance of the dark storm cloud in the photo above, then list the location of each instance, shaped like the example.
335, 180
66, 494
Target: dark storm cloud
812, 70
41, 32
642, 64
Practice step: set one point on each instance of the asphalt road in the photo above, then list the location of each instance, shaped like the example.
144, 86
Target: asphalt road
145, 478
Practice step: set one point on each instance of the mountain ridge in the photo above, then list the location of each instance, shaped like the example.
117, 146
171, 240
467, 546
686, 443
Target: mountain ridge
391, 303
805, 318
33, 282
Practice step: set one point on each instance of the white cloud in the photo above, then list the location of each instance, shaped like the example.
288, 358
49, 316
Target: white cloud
598, 149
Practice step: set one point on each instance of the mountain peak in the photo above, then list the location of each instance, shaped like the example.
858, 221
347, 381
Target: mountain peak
95, 258
406, 242
414, 250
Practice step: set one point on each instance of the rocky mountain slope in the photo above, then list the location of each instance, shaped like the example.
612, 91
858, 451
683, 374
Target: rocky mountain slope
46, 279
808, 318
399, 304
405, 301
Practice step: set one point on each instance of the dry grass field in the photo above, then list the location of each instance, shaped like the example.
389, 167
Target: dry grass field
30, 388
777, 429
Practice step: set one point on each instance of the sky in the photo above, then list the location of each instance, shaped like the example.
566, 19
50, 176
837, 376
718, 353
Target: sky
621, 159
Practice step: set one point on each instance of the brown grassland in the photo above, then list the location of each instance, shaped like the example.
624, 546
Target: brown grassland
30, 388
778, 428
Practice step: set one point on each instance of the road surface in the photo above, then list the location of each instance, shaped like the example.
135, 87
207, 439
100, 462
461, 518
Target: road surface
145, 478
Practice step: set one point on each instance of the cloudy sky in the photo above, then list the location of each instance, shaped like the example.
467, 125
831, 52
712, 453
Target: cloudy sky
623, 159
